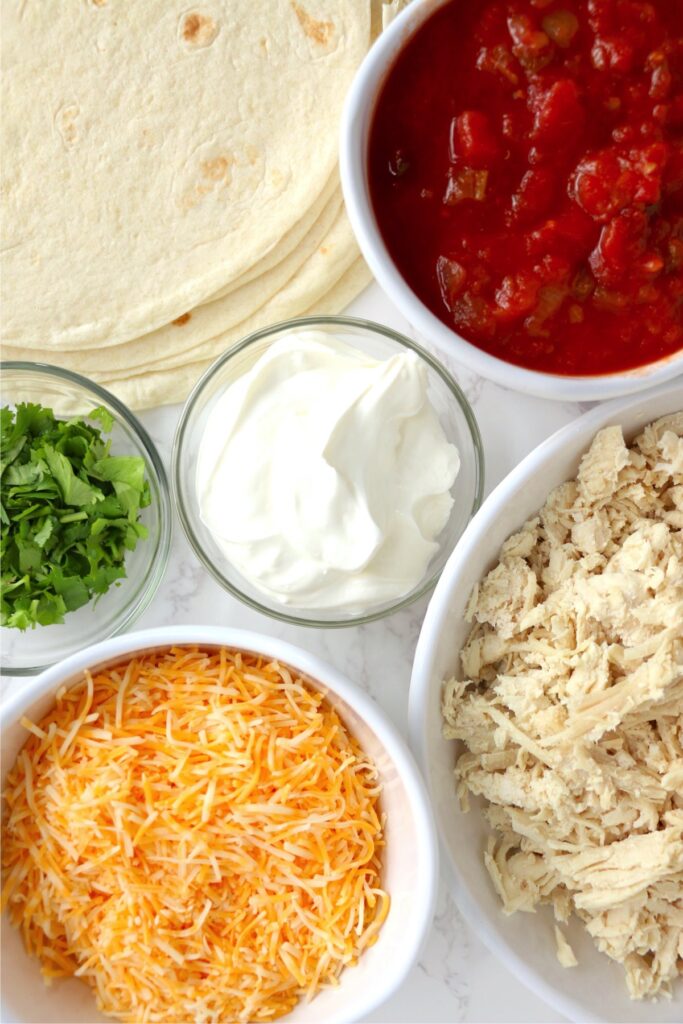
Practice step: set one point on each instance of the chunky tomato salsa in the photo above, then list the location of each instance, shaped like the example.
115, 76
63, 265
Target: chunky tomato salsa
526, 171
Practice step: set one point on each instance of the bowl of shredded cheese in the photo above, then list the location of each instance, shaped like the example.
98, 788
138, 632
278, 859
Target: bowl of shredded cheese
206, 824
546, 707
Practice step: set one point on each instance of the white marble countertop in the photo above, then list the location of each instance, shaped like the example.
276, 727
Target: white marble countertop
456, 979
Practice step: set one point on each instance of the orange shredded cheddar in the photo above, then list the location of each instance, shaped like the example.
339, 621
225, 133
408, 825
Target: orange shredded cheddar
197, 836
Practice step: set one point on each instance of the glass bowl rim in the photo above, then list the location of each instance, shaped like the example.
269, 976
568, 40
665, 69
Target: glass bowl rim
142, 597
207, 377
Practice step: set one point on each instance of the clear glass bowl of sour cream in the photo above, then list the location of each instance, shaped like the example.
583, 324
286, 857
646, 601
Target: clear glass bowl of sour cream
324, 469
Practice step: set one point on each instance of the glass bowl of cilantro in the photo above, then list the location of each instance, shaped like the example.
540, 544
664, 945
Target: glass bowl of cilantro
85, 516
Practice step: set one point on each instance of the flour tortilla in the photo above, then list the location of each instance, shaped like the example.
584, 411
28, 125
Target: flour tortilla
174, 343
155, 152
308, 287
165, 387
295, 239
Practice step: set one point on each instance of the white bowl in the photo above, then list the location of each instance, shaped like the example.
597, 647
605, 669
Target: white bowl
410, 856
595, 990
355, 126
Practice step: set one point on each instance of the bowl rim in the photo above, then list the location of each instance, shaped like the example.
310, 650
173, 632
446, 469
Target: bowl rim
320, 671
291, 616
145, 593
419, 693
354, 130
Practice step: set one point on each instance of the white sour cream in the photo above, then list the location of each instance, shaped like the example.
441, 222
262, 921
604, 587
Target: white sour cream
324, 474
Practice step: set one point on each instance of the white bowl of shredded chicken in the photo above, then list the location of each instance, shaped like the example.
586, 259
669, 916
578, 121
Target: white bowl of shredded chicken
546, 708
204, 824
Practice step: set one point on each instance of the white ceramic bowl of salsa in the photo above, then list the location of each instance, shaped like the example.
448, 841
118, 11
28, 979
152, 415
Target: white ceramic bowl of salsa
356, 127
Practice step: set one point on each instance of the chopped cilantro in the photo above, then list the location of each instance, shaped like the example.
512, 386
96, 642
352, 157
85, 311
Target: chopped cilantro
68, 513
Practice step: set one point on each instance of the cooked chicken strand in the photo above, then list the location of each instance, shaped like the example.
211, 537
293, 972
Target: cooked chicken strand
570, 707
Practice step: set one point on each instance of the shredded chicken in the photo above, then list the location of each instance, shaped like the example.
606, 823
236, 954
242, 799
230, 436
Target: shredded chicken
570, 707
565, 953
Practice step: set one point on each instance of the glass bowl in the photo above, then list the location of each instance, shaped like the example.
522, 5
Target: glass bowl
69, 394
450, 404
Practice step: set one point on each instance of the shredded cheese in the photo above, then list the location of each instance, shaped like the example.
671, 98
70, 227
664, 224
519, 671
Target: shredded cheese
197, 836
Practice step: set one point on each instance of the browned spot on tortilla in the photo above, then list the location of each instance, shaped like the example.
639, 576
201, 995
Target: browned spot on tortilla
98, 3
252, 154
324, 249
319, 32
193, 23
66, 123
198, 29
182, 319
217, 168
148, 137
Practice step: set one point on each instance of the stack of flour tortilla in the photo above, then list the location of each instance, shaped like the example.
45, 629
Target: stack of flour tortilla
169, 180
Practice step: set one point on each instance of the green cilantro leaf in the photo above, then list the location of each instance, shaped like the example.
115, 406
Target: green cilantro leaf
69, 512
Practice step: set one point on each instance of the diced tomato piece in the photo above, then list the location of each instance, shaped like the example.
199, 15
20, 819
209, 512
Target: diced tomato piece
600, 186
498, 60
515, 125
620, 248
558, 116
535, 193
474, 140
614, 53
626, 134
474, 315
516, 295
661, 78
647, 164
571, 234
553, 269
624, 30
609, 181
479, 273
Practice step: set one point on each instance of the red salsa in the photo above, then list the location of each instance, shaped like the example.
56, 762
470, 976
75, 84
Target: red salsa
526, 172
